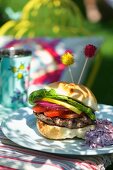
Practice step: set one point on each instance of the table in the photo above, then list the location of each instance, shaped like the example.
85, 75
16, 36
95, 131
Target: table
13, 156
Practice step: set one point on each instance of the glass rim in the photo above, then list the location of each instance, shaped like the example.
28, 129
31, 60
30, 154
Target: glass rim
13, 52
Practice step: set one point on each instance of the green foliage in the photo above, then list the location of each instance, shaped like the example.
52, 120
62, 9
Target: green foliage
56, 18
15, 5
3, 16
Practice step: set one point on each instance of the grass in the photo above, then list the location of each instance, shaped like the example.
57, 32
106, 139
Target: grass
103, 82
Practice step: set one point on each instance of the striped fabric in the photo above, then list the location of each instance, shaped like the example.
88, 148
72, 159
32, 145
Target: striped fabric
13, 157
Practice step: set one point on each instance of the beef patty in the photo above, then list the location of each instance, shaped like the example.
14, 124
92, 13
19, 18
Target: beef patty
73, 123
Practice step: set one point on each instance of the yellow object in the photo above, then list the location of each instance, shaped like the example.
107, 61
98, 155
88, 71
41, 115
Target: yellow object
14, 69
20, 76
22, 67
74, 109
67, 58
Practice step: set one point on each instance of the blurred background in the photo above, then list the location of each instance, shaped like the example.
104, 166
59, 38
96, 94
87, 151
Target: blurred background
63, 19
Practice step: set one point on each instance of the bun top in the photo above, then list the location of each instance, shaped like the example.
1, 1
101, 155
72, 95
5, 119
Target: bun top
77, 92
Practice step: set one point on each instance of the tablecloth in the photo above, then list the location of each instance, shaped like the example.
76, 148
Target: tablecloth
13, 156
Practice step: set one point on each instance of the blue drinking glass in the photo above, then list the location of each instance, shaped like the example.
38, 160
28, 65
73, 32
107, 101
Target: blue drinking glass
15, 70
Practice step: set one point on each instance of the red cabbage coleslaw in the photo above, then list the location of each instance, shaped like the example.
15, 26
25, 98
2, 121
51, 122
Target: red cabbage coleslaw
101, 136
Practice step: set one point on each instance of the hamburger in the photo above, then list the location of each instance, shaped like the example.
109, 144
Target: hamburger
64, 110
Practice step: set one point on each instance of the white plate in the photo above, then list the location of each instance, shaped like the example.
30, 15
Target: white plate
20, 127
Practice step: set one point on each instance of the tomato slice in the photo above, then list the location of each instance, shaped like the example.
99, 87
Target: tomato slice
56, 112
38, 108
52, 113
61, 114
70, 115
